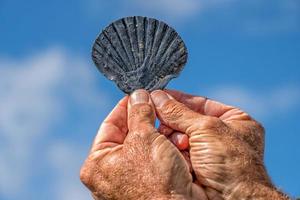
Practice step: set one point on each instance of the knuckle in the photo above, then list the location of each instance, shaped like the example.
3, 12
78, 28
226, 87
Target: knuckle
173, 110
259, 128
210, 123
259, 132
251, 133
85, 175
141, 135
87, 172
256, 130
141, 110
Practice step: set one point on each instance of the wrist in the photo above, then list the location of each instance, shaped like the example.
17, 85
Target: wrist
255, 190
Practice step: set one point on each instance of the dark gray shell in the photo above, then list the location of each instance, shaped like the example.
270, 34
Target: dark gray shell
139, 53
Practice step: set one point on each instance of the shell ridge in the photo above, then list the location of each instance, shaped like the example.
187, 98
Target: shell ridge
174, 63
148, 29
182, 59
140, 38
161, 42
105, 56
118, 58
145, 39
130, 28
107, 73
163, 82
136, 43
109, 61
128, 39
115, 39
164, 65
159, 84
158, 52
167, 43
177, 62
127, 88
116, 50
168, 51
180, 51
156, 44
173, 48
151, 84
122, 44
152, 61
139, 52
155, 27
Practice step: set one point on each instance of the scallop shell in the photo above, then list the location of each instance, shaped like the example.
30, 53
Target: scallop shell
139, 53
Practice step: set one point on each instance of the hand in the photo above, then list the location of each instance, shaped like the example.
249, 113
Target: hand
226, 146
129, 159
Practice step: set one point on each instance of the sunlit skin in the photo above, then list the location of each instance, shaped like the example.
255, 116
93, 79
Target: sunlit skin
226, 146
203, 150
129, 159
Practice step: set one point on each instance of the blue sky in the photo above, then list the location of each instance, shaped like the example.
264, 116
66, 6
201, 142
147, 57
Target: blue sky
242, 52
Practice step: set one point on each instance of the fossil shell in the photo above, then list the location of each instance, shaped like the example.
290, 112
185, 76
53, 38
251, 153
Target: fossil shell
139, 52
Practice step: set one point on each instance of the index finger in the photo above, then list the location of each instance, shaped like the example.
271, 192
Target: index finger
114, 129
200, 104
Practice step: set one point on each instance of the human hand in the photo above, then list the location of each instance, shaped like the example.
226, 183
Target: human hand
226, 146
129, 159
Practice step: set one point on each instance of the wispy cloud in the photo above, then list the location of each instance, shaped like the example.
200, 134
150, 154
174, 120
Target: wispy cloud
27, 109
172, 10
261, 104
66, 159
35, 95
169, 8
254, 17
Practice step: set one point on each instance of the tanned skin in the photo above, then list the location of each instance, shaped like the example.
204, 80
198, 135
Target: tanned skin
131, 160
202, 150
226, 146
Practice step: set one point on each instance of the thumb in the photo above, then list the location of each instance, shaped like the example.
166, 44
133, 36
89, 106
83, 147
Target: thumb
141, 113
175, 114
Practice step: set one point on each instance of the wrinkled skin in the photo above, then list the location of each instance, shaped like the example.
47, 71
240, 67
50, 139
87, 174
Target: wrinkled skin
219, 145
131, 160
226, 146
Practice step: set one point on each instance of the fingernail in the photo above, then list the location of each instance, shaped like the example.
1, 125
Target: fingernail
182, 141
179, 138
139, 96
159, 98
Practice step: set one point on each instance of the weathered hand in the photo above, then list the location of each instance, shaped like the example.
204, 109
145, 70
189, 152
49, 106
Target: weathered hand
129, 159
226, 146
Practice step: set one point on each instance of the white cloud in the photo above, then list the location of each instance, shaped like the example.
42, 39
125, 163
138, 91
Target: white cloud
27, 108
66, 159
261, 104
171, 10
254, 17
35, 94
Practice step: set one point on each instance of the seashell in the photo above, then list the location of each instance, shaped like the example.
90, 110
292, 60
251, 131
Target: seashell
139, 53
